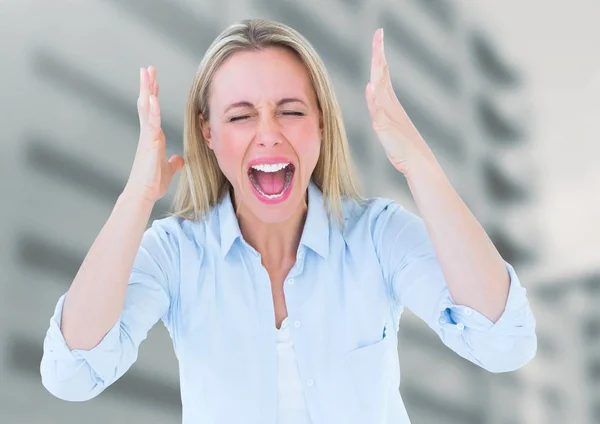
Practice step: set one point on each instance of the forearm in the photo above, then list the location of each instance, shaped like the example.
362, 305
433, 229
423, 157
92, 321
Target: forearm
473, 268
95, 299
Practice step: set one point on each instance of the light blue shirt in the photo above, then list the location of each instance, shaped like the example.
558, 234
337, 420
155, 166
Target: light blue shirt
344, 296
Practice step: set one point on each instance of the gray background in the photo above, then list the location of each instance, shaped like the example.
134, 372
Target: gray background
506, 94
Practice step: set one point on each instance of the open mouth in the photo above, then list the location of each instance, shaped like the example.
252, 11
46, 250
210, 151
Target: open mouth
272, 181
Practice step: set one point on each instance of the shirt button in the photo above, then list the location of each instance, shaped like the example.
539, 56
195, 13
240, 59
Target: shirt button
296, 324
310, 382
300, 255
442, 321
468, 311
291, 281
460, 326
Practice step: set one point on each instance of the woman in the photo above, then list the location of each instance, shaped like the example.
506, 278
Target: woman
281, 287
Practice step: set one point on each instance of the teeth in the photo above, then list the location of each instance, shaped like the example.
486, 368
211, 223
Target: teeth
288, 180
273, 167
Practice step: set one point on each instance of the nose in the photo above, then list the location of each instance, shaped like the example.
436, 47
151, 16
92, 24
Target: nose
268, 132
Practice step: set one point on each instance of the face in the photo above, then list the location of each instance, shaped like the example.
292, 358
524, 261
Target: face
264, 128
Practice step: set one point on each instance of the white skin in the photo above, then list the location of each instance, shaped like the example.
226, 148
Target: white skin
259, 125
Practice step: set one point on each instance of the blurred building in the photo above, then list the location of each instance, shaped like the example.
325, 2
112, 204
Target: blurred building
72, 152
561, 385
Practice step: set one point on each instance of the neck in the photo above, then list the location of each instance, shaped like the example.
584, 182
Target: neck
276, 242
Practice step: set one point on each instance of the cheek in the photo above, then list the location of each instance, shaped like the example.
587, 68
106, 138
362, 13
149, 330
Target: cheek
229, 150
307, 144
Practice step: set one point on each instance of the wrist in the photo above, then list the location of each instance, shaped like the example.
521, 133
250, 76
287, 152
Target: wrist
135, 197
419, 163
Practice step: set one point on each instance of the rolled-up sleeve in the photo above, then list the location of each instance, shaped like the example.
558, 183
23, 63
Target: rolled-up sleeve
416, 281
78, 375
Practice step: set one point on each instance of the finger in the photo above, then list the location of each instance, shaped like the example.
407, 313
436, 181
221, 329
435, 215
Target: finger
177, 162
155, 89
151, 77
377, 56
378, 116
380, 73
143, 101
154, 119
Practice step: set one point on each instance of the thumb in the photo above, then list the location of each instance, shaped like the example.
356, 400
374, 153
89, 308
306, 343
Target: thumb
177, 162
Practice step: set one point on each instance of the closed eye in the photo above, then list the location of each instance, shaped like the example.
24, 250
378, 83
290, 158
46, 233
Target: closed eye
238, 118
285, 113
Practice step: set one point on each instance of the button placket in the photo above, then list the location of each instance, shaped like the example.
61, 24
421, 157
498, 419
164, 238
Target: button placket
300, 260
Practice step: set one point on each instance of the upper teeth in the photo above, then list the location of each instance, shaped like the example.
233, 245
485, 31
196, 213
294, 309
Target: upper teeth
273, 167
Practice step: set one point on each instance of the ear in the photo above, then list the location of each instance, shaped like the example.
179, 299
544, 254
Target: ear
205, 129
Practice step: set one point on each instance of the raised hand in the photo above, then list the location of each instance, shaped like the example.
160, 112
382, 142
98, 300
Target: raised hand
151, 172
400, 138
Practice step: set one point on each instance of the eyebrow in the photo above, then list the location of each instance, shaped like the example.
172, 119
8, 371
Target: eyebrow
281, 102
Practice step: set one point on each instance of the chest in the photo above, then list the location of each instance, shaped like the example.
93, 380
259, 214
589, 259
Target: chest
236, 303
277, 276
226, 315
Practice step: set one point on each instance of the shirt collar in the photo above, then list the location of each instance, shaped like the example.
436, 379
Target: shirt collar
228, 223
315, 234
316, 228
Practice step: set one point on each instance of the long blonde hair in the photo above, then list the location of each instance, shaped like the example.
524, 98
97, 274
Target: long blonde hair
202, 183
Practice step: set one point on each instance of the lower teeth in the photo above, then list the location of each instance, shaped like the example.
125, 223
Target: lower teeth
288, 180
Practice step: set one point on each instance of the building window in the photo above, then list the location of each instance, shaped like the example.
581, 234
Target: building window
494, 124
592, 284
546, 345
436, 67
352, 3
510, 250
595, 413
490, 62
441, 10
591, 329
359, 142
417, 398
335, 49
552, 398
553, 292
593, 373
500, 186
440, 137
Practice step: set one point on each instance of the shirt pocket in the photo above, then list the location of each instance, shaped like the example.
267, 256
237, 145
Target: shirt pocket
370, 368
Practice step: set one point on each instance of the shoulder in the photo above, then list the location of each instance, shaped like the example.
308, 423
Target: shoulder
176, 230
168, 229
169, 243
374, 211
382, 220
161, 240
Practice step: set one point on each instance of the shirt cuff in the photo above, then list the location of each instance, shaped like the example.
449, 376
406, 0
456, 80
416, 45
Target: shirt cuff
516, 319
69, 360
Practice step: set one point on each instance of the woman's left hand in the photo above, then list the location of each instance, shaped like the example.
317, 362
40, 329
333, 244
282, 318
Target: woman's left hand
400, 138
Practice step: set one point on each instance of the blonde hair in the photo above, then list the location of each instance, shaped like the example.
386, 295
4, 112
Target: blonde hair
202, 183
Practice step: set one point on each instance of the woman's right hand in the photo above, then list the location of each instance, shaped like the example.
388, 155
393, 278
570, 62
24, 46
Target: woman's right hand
151, 173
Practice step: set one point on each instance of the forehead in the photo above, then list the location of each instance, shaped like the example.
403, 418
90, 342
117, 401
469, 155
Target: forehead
255, 76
